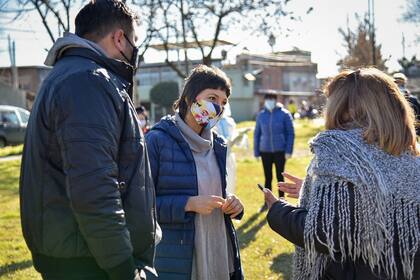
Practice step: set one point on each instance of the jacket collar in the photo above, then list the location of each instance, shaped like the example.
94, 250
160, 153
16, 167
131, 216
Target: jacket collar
119, 68
168, 125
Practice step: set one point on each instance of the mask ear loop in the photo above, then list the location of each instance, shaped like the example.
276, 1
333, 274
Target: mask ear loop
222, 111
134, 56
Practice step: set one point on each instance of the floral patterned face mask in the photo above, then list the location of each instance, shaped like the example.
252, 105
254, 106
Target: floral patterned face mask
206, 113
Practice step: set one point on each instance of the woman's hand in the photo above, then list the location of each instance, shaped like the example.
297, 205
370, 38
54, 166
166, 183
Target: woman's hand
233, 206
204, 204
292, 189
270, 198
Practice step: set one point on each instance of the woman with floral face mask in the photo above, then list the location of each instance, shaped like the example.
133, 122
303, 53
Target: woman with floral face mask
188, 163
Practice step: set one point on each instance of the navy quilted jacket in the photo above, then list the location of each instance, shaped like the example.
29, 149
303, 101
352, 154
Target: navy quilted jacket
274, 132
175, 177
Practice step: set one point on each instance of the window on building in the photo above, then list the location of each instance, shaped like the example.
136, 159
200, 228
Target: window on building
299, 81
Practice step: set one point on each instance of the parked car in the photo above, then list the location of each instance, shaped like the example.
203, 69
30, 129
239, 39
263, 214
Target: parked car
13, 122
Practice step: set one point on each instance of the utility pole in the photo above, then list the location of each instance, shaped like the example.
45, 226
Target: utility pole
371, 12
12, 56
403, 44
184, 37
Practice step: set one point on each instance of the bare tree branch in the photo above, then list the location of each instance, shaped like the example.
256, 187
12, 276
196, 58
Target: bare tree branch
56, 13
44, 21
45, 9
207, 58
412, 13
194, 32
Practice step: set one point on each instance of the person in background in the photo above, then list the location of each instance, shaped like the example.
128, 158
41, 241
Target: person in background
143, 119
292, 108
273, 140
358, 214
87, 198
400, 79
188, 162
226, 128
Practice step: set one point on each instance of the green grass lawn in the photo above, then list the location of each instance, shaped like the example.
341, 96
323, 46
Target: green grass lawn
265, 255
11, 150
15, 261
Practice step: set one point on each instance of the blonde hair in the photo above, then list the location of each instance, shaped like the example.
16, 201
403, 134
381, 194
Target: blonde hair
369, 99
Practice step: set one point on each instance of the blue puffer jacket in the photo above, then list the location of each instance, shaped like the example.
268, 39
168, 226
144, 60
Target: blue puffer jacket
274, 132
175, 177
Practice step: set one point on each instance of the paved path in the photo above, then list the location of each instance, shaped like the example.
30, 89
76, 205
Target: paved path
3, 159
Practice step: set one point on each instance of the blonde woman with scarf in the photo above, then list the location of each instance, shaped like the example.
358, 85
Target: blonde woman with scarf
359, 208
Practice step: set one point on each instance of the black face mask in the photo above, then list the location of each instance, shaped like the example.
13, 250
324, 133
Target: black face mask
134, 57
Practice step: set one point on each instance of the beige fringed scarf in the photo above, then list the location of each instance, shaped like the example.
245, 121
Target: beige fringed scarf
385, 205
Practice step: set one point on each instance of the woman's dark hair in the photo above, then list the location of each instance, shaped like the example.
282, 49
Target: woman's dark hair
97, 18
201, 78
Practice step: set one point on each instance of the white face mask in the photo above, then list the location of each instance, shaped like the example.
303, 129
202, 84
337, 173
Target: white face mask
142, 123
270, 104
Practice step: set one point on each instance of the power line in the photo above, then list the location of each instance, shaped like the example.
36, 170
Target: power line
17, 29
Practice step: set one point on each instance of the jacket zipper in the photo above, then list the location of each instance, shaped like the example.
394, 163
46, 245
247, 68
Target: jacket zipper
271, 130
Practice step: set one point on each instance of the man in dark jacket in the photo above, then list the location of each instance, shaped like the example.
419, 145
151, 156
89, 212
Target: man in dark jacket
400, 79
86, 193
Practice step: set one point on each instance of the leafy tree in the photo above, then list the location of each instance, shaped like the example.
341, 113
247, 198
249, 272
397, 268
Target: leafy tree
359, 48
164, 94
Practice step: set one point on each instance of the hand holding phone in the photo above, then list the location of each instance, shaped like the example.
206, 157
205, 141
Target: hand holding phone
261, 187
268, 196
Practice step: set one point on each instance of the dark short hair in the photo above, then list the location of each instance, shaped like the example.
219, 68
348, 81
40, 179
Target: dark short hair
97, 18
140, 110
270, 96
201, 78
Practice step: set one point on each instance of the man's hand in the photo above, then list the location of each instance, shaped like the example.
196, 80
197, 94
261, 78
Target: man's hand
204, 204
288, 156
292, 189
233, 206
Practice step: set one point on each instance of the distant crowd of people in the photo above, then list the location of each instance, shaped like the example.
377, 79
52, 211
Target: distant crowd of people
305, 110
104, 195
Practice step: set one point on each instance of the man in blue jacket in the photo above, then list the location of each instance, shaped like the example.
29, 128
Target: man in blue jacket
273, 139
86, 193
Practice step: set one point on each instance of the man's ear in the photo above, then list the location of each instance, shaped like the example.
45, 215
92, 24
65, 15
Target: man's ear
118, 39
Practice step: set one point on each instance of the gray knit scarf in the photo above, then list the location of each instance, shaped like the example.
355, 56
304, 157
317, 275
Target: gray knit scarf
386, 205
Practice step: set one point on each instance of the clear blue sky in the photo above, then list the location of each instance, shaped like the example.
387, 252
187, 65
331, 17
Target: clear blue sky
317, 32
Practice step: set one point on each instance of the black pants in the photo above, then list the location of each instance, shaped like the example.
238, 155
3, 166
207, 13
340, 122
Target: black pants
279, 160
